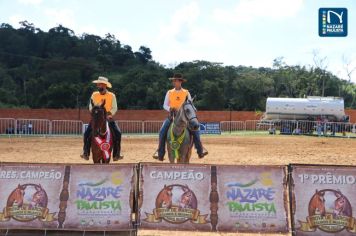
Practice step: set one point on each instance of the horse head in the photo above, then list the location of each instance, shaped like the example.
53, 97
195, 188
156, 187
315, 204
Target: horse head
39, 197
341, 206
98, 118
186, 198
17, 196
317, 203
164, 198
190, 117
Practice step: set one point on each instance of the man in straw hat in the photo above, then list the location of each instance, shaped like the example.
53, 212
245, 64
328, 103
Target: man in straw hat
173, 101
110, 106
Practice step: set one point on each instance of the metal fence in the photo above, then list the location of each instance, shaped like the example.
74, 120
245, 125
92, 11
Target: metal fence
7, 126
66, 127
27, 127
152, 126
33, 127
130, 127
232, 126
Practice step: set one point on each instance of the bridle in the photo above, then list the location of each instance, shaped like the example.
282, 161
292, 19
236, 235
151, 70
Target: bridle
97, 110
188, 102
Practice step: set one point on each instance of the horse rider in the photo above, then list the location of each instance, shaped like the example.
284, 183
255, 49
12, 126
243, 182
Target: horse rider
98, 97
173, 101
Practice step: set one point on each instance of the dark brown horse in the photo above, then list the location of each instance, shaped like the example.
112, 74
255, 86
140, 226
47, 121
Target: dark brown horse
100, 147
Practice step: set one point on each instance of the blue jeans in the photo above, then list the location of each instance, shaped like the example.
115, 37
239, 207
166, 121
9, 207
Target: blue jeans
163, 135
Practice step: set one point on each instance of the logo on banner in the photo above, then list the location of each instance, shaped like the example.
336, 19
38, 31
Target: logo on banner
253, 199
101, 197
330, 211
176, 204
27, 202
332, 22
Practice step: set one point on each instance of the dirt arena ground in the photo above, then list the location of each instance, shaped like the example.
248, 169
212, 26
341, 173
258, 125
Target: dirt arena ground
239, 150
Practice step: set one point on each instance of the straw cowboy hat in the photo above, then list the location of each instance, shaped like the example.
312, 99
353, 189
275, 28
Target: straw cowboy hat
103, 80
178, 76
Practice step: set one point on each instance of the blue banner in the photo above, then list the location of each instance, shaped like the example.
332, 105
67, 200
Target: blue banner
210, 128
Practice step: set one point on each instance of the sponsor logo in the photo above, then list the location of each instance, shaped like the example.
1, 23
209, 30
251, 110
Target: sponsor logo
253, 199
332, 22
27, 202
330, 211
176, 204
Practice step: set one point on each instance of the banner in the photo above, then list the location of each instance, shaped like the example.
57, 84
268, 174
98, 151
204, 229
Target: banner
29, 195
76, 197
175, 197
252, 199
100, 197
324, 197
210, 128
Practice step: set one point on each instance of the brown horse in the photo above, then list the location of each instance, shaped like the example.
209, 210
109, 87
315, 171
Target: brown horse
16, 196
341, 205
317, 204
186, 200
101, 150
164, 198
39, 198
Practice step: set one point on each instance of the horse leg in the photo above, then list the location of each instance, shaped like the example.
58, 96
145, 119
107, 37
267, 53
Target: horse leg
171, 158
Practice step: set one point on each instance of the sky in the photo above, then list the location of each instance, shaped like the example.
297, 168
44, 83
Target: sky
232, 32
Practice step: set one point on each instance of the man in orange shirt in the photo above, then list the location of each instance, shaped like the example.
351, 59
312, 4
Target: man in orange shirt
98, 97
173, 101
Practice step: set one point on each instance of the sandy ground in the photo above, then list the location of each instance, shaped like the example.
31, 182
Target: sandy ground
239, 150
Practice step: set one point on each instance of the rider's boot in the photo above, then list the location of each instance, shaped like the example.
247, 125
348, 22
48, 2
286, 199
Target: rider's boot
87, 143
201, 151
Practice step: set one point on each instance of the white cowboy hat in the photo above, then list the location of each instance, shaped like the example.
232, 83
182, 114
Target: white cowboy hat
103, 80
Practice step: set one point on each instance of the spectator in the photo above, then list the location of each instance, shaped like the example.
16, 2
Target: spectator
10, 130
319, 128
24, 129
29, 128
297, 131
272, 130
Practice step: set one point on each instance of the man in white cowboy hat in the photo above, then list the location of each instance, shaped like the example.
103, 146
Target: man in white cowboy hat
110, 106
173, 101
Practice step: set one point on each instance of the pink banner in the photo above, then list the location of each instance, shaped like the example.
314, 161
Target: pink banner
29, 195
324, 198
76, 197
252, 199
175, 197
